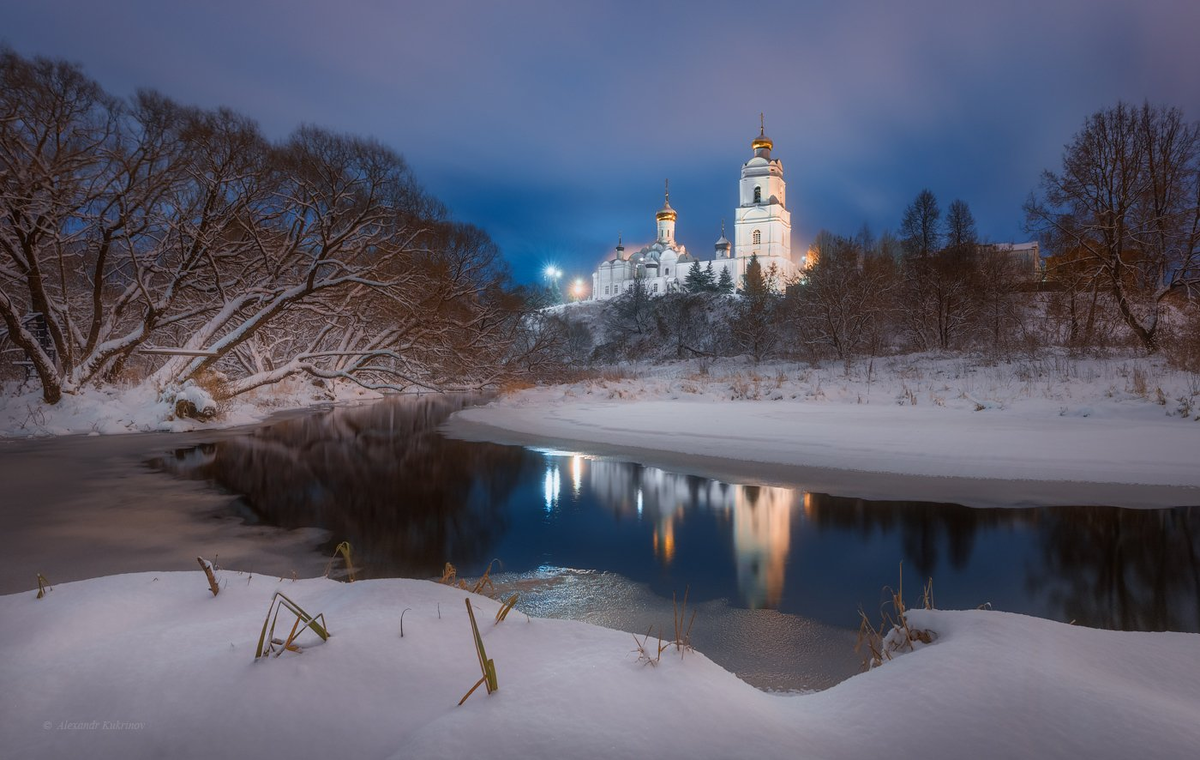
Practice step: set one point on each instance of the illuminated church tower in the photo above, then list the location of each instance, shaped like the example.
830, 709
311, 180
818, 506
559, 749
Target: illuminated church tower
763, 224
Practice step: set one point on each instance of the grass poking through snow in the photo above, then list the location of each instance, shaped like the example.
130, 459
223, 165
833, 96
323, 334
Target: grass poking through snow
893, 635
267, 642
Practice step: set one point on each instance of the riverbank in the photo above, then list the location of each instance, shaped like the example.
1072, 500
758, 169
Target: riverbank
154, 658
114, 410
1123, 433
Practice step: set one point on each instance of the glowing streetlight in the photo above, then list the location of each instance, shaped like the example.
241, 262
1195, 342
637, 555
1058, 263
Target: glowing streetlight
578, 289
552, 272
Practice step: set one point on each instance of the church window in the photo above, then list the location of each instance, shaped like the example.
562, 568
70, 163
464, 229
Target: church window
758, 195
757, 237
656, 287
667, 271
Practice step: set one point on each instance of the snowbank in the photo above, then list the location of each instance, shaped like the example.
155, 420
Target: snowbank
140, 409
1131, 423
152, 665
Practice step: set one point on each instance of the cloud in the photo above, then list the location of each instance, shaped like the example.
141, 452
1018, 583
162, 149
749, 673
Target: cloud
552, 124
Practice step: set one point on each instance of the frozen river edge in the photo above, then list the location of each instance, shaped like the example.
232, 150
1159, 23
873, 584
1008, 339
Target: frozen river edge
871, 452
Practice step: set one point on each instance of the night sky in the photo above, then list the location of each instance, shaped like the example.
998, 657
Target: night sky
552, 125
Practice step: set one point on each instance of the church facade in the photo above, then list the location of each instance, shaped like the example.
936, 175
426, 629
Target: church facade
762, 227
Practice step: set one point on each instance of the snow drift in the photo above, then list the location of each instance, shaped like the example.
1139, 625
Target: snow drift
154, 665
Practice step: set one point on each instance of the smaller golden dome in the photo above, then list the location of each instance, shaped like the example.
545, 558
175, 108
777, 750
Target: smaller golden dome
666, 212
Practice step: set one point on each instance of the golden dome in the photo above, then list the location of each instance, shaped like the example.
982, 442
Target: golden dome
762, 141
666, 212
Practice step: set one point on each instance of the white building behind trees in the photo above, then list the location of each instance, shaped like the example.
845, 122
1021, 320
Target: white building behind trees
762, 228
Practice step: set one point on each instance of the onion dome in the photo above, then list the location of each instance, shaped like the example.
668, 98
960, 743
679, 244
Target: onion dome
762, 141
666, 212
723, 243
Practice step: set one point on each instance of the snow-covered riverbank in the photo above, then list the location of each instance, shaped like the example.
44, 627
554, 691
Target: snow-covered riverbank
1123, 433
151, 664
142, 409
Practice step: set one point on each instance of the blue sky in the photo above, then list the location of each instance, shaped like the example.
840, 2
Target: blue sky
553, 124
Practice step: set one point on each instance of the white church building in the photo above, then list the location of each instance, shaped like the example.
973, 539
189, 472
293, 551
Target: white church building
762, 227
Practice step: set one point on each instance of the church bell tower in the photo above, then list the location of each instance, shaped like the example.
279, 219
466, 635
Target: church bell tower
763, 225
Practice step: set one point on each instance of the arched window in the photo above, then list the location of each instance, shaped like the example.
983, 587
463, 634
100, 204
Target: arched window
757, 237
758, 195
667, 271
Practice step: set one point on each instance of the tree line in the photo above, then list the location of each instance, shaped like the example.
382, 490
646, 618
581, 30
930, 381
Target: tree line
145, 240
1120, 223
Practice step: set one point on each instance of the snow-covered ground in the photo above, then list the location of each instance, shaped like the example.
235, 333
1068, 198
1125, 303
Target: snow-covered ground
967, 429
152, 665
139, 409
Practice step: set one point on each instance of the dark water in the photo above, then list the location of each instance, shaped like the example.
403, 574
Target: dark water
617, 538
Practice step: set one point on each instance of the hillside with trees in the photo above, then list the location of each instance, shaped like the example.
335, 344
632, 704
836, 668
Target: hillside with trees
1119, 228
145, 241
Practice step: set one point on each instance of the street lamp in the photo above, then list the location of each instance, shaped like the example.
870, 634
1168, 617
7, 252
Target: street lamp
552, 273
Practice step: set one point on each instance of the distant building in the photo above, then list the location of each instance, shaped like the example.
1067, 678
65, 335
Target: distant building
1026, 256
762, 226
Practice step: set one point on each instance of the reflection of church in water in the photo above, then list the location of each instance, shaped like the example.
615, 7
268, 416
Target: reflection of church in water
761, 517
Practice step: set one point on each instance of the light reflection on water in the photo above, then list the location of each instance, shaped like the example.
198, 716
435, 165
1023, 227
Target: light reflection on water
797, 565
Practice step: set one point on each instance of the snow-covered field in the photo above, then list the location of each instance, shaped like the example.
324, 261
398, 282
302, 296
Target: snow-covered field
1121, 423
152, 665
140, 409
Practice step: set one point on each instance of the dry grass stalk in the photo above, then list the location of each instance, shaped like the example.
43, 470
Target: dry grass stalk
266, 639
505, 608
346, 551
643, 655
208, 573
406, 609
894, 633
44, 586
683, 638
450, 578
487, 666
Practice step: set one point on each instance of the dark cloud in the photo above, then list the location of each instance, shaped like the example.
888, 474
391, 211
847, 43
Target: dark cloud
553, 124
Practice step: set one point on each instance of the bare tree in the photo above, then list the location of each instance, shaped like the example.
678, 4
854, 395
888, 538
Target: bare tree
1127, 200
844, 303
131, 226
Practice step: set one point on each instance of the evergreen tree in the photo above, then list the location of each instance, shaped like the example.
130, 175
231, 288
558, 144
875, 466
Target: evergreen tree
709, 279
725, 282
753, 324
694, 282
753, 282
